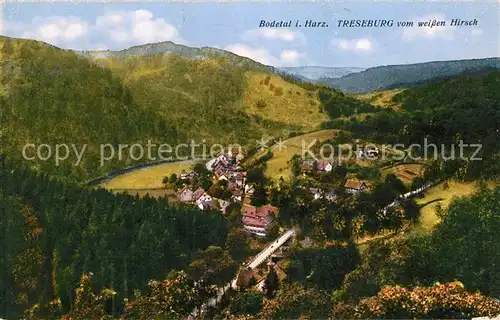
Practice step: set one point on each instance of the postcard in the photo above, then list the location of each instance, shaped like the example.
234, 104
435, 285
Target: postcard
250, 160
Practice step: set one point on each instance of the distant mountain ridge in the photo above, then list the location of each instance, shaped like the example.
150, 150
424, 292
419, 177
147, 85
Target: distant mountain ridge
315, 73
348, 79
398, 76
182, 50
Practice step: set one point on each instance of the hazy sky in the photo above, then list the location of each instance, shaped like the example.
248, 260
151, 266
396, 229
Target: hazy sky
235, 27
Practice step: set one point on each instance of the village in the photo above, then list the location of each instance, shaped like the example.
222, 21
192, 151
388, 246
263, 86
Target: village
230, 189
271, 215
229, 185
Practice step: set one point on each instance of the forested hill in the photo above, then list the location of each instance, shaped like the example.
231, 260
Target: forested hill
54, 96
52, 233
400, 76
181, 50
464, 108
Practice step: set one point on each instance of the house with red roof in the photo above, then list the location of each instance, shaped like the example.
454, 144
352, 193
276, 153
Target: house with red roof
202, 198
257, 220
325, 165
355, 186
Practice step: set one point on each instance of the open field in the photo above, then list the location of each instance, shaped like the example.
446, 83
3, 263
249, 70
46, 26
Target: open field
381, 99
443, 196
428, 217
147, 178
281, 101
278, 165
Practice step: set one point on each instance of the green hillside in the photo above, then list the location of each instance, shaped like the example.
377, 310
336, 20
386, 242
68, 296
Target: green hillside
445, 112
55, 96
465, 107
52, 96
403, 76
53, 232
205, 99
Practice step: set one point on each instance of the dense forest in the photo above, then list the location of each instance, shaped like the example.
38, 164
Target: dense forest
407, 75
446, 112
448, 273
464, 247
53, 232
435, 276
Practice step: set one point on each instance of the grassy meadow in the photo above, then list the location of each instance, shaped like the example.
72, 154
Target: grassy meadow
279, 166
441, 195
382, 99
272, 98
147, 178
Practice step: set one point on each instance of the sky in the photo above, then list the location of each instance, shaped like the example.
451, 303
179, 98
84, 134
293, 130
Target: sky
235, 27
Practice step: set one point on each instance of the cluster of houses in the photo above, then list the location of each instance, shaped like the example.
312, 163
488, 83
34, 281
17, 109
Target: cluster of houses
200, 197
323, 165
352, 186
256, 220
225, 167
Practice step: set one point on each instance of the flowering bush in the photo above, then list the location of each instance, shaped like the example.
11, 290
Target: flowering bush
443, 301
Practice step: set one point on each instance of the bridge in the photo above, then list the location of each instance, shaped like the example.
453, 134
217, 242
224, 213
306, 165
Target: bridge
407, 195
254, 263
270, 249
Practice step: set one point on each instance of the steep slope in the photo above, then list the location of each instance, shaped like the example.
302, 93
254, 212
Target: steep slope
212, 99
273, 98
53, 232
382, 99
52, 96
398, 76
465, 108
